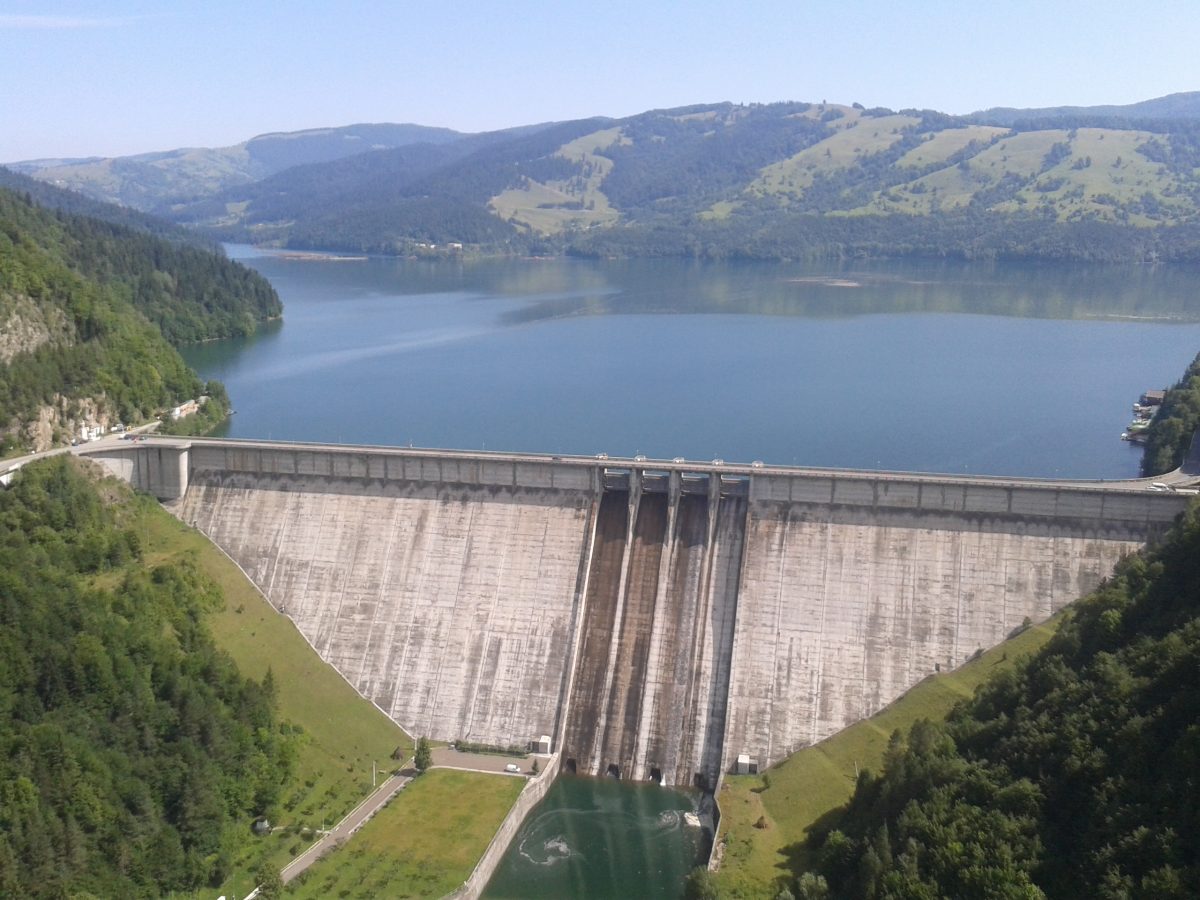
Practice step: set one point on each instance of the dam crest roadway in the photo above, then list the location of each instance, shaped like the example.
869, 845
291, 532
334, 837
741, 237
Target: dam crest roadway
657, 619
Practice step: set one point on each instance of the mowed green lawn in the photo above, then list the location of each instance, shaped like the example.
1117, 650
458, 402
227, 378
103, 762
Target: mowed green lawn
340, 735
819, 779
424, 843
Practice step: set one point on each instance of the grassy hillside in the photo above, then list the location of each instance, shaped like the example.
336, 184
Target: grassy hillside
781, 180
767, 819
425, 842
97, 584
155, 181
133, 752
339, 735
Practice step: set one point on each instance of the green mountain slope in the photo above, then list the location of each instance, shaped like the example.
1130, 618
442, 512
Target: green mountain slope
154, 181
1173, 427
76, 204
780, 180
133, 755
88, 315
1073, 775
1173, 106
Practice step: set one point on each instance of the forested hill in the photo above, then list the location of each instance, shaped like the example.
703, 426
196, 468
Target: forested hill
785, 180
1075, 775
1173, 106
153, 181
88, 313
133, 755
74, 203
1173, 427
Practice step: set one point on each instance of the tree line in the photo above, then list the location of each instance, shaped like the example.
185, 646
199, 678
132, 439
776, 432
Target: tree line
1170, 433
133, 755
1072, 775
92, 309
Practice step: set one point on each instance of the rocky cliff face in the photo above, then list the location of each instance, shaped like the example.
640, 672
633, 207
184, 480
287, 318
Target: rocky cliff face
24, 326
61, 422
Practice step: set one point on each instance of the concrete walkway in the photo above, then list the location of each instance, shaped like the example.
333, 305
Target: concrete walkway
356, 818
449, 758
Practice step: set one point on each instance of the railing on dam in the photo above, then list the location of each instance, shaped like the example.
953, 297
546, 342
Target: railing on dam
163, 465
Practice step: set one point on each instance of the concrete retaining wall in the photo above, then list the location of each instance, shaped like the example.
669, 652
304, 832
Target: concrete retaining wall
535, 789
393, 465
1086, 503
160, 469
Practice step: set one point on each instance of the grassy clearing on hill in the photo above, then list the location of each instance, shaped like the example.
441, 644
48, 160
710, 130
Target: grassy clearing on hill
939, 146
341, 733
424, 843
791, 796
868, 136
576, 202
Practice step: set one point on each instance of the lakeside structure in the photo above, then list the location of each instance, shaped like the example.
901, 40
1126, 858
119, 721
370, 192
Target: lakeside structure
659, 620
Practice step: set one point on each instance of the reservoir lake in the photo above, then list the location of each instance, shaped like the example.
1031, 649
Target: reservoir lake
1000, 369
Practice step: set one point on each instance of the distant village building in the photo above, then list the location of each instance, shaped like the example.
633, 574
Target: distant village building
184, 409
1153, 398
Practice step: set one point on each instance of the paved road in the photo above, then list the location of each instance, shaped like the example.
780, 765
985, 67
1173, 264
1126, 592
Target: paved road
449, 758
109, 440
343, 829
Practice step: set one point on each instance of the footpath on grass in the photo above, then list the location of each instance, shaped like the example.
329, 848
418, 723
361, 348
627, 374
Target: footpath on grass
340, 832
336, 836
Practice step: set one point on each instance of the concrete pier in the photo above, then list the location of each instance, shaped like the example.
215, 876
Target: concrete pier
658, 619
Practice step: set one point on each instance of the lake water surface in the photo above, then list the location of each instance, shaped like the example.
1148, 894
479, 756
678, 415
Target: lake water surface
989, 369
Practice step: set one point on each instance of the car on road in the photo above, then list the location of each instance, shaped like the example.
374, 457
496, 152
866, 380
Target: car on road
512, 767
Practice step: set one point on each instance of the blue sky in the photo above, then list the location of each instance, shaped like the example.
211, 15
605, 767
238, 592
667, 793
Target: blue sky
127, 76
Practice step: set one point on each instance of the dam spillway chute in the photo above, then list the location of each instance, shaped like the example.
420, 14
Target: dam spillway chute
659, 629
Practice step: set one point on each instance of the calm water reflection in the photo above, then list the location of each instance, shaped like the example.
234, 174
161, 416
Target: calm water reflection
993, 369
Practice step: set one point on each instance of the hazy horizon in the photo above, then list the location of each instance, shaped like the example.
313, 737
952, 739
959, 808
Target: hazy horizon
127, 77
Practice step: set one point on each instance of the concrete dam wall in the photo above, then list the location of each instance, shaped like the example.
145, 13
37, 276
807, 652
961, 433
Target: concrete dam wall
650, 693
449, 605
656, 619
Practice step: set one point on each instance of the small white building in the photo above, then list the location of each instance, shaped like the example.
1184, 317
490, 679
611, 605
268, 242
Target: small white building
184, 409
746, 765
542, 744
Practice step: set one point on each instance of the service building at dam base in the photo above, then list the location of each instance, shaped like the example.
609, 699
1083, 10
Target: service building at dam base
659, 620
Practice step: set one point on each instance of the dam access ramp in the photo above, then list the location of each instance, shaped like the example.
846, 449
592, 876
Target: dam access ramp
657, 620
